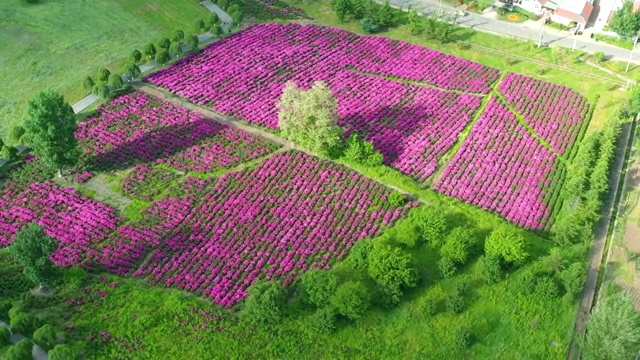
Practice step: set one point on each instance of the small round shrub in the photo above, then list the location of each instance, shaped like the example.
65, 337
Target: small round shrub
462, 338
428, 306
546, 288
23, 323
63, 352
5, 337
396, 199
369, 25
323, 320
455, 303
5, 306
447, 267
490, 269
22, 350
46, 336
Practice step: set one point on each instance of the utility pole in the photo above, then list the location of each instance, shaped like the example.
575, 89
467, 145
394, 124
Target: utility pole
575, 40
541, 34
635, 39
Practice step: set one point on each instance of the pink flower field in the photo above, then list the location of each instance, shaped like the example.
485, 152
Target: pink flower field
501, 168
292, 213
138, 127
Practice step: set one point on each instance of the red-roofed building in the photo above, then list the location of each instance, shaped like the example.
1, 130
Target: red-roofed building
568, 11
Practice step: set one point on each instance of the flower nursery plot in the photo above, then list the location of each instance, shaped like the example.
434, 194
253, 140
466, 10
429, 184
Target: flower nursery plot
501, 168
554, 112
293, 213
244, 74
136, 126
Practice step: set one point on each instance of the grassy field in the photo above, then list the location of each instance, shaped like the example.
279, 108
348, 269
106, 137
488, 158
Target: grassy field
56, 43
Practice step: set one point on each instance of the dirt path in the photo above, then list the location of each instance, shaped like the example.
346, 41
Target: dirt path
105, 194
596, 253
251, 129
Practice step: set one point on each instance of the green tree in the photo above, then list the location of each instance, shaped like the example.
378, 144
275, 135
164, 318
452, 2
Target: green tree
323, 320
103, 74
342, 9
178, 35
5, 337
162, 57
132, 71
50, 126
233, 8
613, 330
214, 19
237, 17
506, 243
22, 350
319, 286
15, 134
163, 43
222, 4
8, 152
32, 248
198, 26
415, 22
351, 299
362, 151
554, 261
545, 288
135, 57
490, 269
23, 323
101, 90
433, 225
392, 269
115, 81
455, 303
192, 41
310, 118
385, 16
264, 303
369, 25
626, 22
176, 48
46, 336
63, 352
216, 31
573, 278
149, 50
88, 83
457, 245
428, 306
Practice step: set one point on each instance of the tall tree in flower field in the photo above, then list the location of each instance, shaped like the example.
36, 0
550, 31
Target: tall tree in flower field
32, 248
310, 118
50, 127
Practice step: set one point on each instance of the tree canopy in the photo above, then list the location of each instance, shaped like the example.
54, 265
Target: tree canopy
50, 127
506, 243
31, 248
351, 299
613, 330
392, 269
625, 21
264, 303
310, 118
319, 286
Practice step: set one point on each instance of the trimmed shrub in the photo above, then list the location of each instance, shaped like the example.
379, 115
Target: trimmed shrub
46, 336
22, 350
5, 337
351, 299
319, 286
323, 320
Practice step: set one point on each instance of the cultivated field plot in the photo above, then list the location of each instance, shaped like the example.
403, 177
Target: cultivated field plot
138, 127
412, 103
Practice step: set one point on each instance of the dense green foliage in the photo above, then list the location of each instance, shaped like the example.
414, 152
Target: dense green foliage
319, 286
45, 336
392, 269
351, 299
309, 118
50, 128
506, 243
20, 351
626, 21
5, 337
613, 330
32, 247
264, 304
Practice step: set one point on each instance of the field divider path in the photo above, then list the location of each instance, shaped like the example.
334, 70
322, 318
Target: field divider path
251, 129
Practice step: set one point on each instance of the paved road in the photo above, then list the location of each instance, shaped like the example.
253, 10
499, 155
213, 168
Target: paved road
526, 31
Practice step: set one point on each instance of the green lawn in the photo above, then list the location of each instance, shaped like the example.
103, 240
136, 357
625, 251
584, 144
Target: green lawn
56, 43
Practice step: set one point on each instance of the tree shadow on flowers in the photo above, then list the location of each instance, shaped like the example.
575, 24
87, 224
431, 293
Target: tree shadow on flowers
155, 144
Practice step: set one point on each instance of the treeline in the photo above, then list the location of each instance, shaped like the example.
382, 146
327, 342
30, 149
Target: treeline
586, 185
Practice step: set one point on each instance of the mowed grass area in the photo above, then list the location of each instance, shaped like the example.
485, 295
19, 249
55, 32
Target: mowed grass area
56, 43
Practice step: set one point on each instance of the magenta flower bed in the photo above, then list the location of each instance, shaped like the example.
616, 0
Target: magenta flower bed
76, 221
139, 127
554, 112
292, 213
412, 126
501, 168
289, 215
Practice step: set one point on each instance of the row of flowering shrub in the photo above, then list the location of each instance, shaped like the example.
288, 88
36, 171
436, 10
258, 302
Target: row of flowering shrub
412, 126
554, 112
292, 213
136, 126
501, 168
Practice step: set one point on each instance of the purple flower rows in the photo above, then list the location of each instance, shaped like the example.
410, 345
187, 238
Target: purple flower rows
289, 215
139, 127
293, 213
501, 168
412, 126
554, 112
